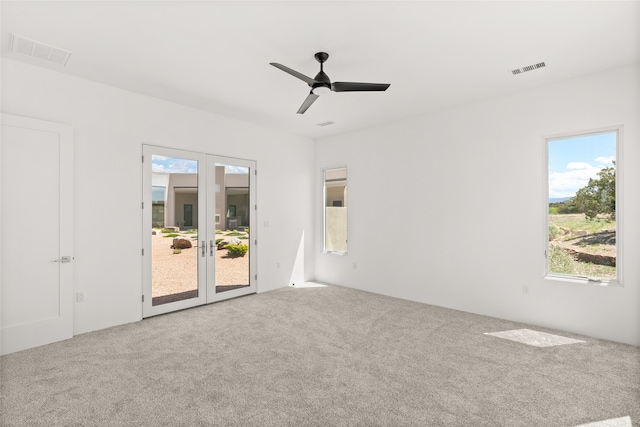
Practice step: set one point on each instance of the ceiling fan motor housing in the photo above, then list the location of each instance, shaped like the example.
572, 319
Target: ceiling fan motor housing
321, 80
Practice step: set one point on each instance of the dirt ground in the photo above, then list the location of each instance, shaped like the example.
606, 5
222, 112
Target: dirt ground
175, 273
602, 243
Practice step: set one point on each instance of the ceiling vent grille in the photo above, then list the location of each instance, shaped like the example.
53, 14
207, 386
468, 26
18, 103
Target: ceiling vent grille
528, 68
34, 49
323, 124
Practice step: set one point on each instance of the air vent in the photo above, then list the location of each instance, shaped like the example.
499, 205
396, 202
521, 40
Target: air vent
34, 49
528, 68
323, 124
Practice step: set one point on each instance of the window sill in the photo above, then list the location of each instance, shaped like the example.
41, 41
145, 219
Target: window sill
339, 253
583, 280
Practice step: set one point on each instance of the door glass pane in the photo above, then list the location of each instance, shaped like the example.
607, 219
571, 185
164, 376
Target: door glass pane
174, 231
231, 219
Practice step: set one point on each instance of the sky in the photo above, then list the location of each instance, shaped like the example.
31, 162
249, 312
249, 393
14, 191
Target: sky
177, 165
173, 165
573, 161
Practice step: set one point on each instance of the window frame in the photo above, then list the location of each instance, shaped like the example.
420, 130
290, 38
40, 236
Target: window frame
618, 281
324, 210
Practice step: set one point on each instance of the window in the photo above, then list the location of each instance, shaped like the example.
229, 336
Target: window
582, 207
335, 210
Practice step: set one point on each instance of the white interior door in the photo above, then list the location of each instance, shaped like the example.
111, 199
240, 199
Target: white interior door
36, 232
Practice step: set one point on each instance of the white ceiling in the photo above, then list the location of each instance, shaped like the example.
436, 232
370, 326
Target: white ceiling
215, 55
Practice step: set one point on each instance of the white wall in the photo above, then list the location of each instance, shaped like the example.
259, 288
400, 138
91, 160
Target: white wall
110, 127
468, 218
467, 226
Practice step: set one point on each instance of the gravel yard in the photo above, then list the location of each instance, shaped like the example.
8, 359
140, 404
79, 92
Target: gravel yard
176, 273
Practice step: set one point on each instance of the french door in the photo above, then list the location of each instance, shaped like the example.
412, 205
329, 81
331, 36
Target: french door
199, 229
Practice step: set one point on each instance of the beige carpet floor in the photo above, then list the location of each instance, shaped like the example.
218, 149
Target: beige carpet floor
318, 356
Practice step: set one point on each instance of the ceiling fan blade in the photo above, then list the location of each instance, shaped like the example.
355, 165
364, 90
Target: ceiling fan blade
358, 87
307, 80
307, 102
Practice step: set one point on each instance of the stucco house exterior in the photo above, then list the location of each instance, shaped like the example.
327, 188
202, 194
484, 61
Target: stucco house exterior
175, 199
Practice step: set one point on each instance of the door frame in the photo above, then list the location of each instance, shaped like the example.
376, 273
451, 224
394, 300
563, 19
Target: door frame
206, 229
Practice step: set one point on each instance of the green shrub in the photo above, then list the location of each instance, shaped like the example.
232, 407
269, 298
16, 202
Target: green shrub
234, 233
218, 241
177, 251
554, 232
168, 230
235, 251
170, 235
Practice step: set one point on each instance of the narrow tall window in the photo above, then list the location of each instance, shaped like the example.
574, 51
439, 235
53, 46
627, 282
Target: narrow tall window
582, 202
335, 210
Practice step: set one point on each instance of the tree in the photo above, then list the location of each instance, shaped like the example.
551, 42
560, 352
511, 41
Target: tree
566, 207
598, 198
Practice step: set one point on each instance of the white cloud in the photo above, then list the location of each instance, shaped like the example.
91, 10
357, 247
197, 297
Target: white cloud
173, 165
579, 166
155, 167
236, 169
606, 160
566, 184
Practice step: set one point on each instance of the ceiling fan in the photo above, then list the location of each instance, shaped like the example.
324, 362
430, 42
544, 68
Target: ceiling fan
321, 84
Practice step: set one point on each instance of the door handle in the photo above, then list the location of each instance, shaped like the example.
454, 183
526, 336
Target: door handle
204, 248
210, 247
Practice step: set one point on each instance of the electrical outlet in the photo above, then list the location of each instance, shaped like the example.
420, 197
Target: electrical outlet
79, 296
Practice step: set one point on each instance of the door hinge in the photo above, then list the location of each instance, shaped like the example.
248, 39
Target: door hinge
142, 205
256, 242
142, 298
255, 207
142, 251
256, 276
143, 159
256, 172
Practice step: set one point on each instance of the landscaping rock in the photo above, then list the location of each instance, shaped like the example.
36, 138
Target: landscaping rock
592, 258
229, 241
181, 244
